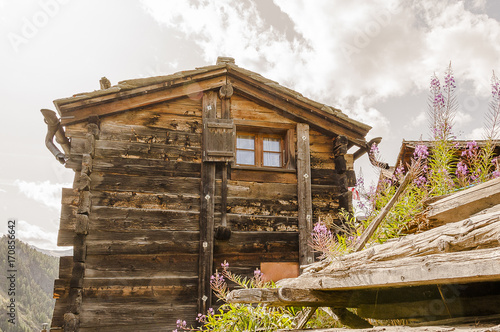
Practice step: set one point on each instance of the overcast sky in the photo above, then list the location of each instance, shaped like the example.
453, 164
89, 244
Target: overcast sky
372, 59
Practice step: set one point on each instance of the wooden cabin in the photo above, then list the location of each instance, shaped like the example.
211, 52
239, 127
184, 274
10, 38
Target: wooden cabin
176, 174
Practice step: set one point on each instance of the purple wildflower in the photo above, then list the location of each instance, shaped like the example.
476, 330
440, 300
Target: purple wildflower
495, 174
224, 265
257, 273
420, 181
470, 150
211, 311
495, 87
462, 169
421, 152
200, 318
374, 149
181, 324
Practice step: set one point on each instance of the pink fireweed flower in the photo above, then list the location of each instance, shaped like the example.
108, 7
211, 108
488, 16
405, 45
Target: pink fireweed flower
211, 311
470, 150
224, 265
181, 323
420, 181
462, 169
200, 318
374, 149
421, 152
257, 273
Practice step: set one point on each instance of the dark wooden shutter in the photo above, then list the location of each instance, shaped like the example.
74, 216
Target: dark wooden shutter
218, 140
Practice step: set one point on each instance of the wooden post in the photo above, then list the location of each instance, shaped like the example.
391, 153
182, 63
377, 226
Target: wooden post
71, 320
206, 215
304, 198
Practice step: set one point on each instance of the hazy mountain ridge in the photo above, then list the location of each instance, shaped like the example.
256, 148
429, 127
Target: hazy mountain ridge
35, 277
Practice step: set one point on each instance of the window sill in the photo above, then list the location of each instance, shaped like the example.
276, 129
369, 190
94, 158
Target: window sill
264, 169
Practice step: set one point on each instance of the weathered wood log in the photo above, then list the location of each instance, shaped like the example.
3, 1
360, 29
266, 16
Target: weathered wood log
463, 204
367, 234
481, 231
289, 297
455, 267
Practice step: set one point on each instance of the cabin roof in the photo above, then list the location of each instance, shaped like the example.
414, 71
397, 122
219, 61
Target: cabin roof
147, 91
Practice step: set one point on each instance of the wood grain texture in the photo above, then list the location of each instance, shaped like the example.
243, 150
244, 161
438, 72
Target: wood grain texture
304, 195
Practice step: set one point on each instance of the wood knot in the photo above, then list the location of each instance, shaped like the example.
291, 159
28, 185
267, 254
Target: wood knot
226, 91
444, 246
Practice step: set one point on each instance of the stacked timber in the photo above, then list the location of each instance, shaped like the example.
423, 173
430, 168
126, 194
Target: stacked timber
449, 274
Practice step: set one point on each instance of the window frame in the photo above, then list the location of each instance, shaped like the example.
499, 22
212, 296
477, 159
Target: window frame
285, 135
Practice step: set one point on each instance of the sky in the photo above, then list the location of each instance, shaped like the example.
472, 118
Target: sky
371, 59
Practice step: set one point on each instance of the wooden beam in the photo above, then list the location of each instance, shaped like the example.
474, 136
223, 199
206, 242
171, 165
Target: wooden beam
79, 111
367, 234
455, 267
304, 198
464, 203
207, 209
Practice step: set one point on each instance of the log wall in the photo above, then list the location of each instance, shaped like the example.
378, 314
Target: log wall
142, 244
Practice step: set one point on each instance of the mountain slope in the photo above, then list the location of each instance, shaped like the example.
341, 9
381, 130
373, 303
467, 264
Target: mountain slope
34, 282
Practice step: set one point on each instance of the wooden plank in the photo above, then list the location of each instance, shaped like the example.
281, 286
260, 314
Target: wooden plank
207, 209
149, 201
252, 223
258, 242
367, 234
109, 315
79, 111
157, 167
456, 267
172, 265
145, 184
262, 176
290, 297
99, 287
464, 203
262, 207
136, 150
157, 241
304, 198
250, 111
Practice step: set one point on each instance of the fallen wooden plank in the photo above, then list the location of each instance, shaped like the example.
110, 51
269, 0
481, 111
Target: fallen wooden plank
464, 203
455, 267
478, 232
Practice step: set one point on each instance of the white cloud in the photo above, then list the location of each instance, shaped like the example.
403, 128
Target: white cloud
35, 235
45, 192
416, 121
462, 119
344, 50
476, 134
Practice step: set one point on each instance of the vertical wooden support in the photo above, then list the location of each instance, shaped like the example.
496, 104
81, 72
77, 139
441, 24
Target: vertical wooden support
339, 151
225, 94
71, 319
304, 198
206, 215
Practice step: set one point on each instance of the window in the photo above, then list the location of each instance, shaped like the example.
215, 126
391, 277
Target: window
260, 149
